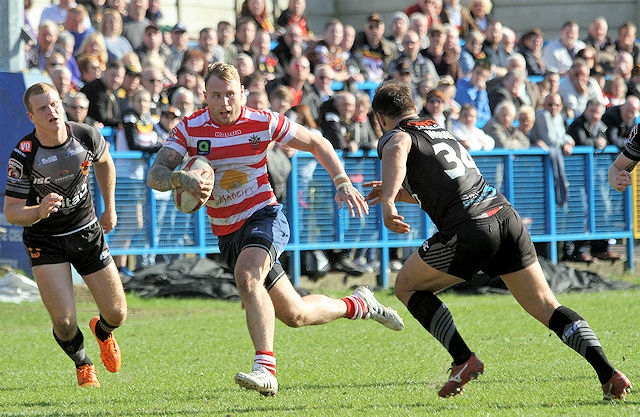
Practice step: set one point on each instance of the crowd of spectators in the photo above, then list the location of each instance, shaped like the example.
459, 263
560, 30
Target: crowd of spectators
120, 64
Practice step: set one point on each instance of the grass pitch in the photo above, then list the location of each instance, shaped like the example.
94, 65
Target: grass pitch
180, 356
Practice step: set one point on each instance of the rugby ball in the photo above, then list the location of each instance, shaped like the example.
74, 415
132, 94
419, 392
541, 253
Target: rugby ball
185, 201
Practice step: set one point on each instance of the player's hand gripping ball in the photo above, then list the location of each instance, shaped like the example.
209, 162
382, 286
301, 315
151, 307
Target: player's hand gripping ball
184, 200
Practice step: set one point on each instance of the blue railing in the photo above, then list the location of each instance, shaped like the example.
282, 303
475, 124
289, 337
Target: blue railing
593, 211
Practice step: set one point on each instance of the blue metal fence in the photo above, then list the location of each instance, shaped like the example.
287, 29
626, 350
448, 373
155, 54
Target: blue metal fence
150, 225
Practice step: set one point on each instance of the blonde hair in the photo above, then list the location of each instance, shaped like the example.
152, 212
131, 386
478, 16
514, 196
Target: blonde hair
118, 19
35, 90
223, 71
98, 38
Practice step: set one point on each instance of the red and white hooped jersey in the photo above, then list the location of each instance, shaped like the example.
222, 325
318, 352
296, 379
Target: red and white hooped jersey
238, 155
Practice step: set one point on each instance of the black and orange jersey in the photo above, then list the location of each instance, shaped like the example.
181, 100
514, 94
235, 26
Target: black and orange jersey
444, 179
35, 170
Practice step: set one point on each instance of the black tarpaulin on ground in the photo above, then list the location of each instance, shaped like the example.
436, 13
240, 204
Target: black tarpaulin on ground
561, 279
187, 277
202, 277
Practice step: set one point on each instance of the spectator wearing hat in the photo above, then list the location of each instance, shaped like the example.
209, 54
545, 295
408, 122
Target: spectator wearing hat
438, 55
421, 67
473, 90
398, 27
130, 84
402, 70
169, 118
372, 50
179, 44
135, 22
435, 109
117, 45
153, 51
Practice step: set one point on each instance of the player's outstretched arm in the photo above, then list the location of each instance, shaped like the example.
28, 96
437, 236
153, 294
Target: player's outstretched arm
321, 148
620, 172
373, 197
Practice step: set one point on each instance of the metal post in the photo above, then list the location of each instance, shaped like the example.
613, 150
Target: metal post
12, 57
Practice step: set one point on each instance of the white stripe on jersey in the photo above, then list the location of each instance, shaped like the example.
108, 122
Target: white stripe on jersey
237, 154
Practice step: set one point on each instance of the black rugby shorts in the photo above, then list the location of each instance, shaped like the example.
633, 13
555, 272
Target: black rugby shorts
85, 249
496, 245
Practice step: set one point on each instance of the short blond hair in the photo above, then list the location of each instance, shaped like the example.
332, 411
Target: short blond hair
35, 90
223, 71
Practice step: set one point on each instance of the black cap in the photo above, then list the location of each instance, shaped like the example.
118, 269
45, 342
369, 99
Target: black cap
172, 111
152, 26
403, 66
374, 17
132, 69
178, 27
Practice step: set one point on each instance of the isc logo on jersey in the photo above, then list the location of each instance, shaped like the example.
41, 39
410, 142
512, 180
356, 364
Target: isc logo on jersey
40, 181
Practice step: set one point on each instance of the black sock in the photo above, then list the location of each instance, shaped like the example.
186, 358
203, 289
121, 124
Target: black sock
74, 348
104, 329
436, 318
575, 332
